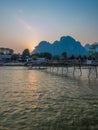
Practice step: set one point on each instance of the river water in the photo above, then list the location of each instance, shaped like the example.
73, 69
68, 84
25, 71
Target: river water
40, 100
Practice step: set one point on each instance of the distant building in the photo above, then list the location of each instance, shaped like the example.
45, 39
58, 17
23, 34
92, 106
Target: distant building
6, 51
5, 54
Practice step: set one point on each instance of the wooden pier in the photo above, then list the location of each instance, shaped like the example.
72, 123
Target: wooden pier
62, 66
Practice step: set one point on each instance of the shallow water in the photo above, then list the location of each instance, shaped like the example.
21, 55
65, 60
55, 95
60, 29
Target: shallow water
41, 100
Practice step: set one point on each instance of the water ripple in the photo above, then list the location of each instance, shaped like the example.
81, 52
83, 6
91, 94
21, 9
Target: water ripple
36, 100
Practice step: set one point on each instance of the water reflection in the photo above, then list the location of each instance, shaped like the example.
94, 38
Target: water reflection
37, 100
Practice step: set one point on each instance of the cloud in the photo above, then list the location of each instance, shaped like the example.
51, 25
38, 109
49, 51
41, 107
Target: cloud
25, 24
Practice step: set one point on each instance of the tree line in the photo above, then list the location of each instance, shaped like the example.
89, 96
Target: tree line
27, 56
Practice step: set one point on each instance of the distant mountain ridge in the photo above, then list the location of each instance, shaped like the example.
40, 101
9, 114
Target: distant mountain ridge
93, 46
66, 44
87, 46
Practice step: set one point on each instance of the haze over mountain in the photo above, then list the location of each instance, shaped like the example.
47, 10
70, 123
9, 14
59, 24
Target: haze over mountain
66, 44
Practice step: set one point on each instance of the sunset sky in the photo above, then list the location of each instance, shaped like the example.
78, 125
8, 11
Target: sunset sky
24, 23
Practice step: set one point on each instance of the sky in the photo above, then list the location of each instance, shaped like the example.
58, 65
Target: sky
25, 23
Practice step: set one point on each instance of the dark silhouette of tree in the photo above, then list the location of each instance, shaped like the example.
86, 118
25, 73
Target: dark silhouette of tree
25, 54
64, 55
36, 54
96, 55
14, 57
35, 57
72, 57
56, 57
46, 55
1, 53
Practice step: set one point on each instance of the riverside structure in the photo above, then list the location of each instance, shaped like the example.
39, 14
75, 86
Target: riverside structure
65, 67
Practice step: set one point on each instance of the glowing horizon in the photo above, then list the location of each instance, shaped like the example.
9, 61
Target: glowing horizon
26, 23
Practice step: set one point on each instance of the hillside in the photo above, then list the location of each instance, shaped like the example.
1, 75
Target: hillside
65, 44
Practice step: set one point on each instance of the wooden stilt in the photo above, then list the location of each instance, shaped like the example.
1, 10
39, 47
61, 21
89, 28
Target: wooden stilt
62, 70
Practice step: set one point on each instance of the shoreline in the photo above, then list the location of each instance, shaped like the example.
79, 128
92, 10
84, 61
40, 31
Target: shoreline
12, 64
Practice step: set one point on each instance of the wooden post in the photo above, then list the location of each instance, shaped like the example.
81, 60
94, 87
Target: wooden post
80, 69
74, 69
62, 70
57, 69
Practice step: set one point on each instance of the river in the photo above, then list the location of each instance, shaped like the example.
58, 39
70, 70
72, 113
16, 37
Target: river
40, 100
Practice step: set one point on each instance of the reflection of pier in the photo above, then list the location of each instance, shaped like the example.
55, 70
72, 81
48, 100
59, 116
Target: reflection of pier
61, 67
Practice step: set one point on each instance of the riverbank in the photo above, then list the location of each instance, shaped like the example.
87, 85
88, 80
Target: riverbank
12, 64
